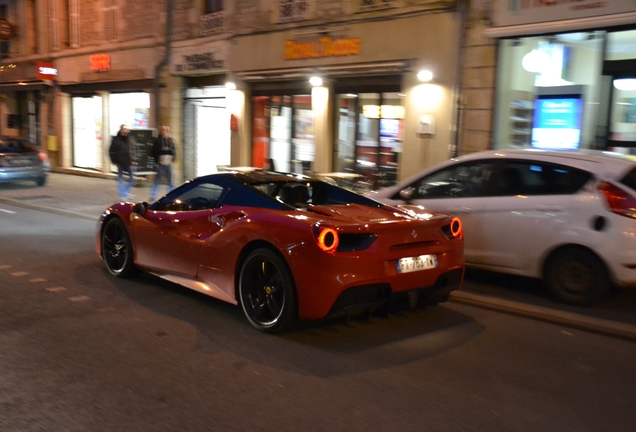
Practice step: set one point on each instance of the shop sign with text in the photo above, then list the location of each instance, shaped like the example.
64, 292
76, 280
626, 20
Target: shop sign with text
199, 62
100, 62
46, 71
323, 47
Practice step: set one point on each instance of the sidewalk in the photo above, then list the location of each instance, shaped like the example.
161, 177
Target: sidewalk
87, 197
67, 194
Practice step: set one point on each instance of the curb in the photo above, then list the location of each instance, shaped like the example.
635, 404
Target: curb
567, 319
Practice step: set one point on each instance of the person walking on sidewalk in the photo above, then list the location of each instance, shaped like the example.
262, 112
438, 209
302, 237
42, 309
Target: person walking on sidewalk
123, 154
164, 154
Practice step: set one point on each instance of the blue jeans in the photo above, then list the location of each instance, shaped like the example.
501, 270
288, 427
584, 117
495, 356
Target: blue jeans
163, 171
124, 189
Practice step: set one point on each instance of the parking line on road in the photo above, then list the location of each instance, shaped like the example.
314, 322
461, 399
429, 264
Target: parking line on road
56, 289
7, 211
79, 298
18, 274
37, 280
4, 267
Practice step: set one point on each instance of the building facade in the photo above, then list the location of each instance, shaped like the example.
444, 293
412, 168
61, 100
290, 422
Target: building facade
396, 85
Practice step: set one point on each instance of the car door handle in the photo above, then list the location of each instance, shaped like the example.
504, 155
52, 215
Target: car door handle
461, 210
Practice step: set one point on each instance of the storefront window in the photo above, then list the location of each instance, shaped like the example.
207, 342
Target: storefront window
620, 70
549, 91
283, 131
130, 109
369, 135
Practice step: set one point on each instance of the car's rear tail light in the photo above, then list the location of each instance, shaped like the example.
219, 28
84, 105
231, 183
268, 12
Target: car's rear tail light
454, 229
42, 157
327, 238
618, 201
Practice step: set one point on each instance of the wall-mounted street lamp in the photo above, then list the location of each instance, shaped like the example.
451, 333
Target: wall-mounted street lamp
315, 81
425, 75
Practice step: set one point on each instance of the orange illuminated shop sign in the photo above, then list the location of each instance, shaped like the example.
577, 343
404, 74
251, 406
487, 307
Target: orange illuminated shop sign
323, 47
100, 62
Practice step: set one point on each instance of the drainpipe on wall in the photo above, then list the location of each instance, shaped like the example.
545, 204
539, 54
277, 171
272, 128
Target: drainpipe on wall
464, 8
164, 61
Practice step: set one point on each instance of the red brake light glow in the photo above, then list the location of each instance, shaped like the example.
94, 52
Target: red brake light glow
456, 227
618, 201
328, 239
42, 157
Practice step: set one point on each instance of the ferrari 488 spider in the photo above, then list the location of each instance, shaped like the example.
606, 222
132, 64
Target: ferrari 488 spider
285, 247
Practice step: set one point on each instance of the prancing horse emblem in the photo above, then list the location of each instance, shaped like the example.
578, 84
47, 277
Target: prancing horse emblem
414, 235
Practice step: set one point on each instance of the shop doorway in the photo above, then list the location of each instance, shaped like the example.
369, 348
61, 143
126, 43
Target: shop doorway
213, 139
87, 132
369, 136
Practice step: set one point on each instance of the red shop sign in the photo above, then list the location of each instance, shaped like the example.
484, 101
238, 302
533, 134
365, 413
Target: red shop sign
100, 62
45, 71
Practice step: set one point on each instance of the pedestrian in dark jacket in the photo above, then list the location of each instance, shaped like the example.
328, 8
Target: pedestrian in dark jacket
123, 154
164, 153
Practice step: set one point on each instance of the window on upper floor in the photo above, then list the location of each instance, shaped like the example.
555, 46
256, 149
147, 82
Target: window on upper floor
212, 6
292, 10
74, 23
368, 5
213, 19
110, 9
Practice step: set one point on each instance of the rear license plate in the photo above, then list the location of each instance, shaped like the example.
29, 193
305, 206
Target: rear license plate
422, 262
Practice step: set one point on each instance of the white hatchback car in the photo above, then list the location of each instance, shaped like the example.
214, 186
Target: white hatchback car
568, 217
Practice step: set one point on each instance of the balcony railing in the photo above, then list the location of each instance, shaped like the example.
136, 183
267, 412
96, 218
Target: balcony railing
369, 5
292, 10
212, 23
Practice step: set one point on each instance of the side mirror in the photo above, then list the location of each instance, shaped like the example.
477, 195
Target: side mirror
141, 208
407, 194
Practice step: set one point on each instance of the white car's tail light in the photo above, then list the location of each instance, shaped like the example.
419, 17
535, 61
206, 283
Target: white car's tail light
618, 201
42, 157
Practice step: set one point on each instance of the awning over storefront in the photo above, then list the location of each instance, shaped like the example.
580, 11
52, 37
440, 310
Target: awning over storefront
24, 86
111, 86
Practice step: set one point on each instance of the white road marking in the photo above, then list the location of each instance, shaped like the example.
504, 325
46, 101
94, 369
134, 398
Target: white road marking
18, 274
7, 211
4, 267
79, 298
37, 280
56, 289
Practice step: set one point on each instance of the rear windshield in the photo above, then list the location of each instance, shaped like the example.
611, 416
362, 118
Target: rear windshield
630, 179
15, 146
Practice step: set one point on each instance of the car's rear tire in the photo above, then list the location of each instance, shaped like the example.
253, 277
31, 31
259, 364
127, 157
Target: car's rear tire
41, 180
117, 251
577, 276
266, 292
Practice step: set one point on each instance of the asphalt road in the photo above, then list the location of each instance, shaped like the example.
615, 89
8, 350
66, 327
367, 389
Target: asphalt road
83, 351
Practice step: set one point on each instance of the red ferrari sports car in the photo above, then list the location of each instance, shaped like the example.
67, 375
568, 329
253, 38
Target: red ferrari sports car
286, 247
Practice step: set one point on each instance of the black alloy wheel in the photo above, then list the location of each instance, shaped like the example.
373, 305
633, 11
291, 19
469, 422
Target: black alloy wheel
267, 293
577, 276
117, 248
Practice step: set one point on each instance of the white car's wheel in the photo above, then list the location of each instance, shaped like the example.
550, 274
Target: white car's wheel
577, 276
